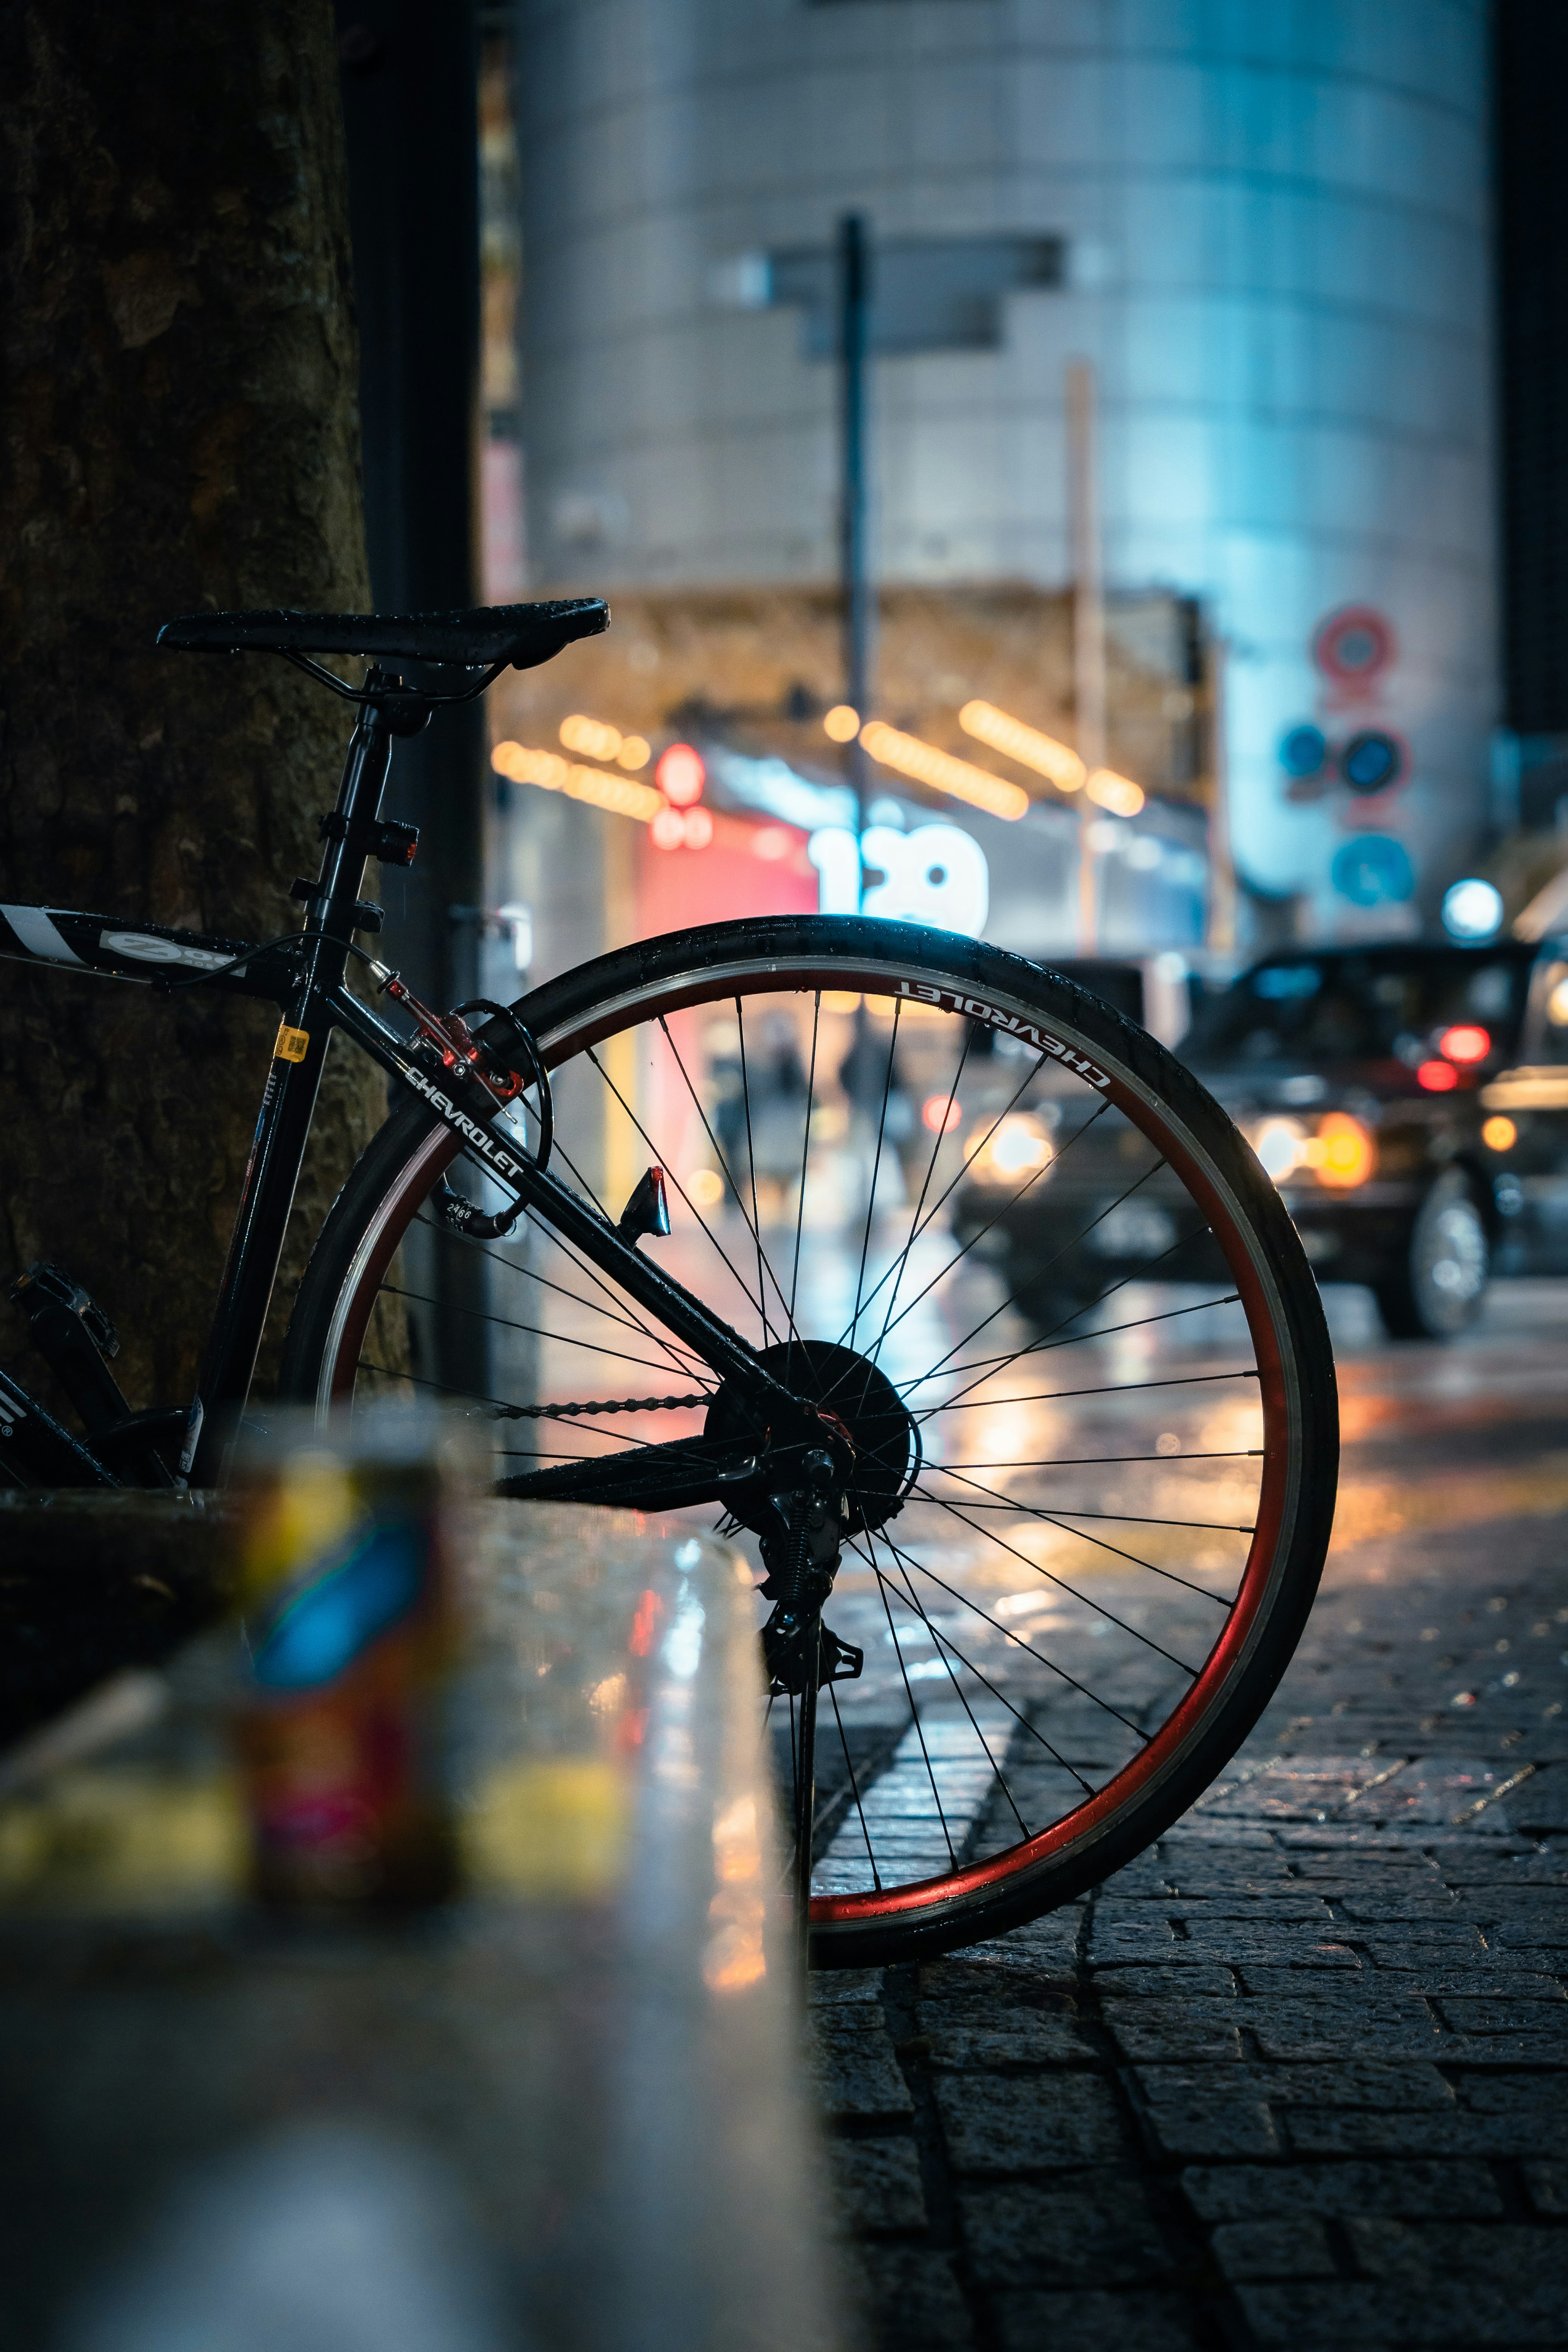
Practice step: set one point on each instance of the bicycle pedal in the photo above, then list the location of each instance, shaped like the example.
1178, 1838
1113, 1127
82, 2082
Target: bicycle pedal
74, 1337
49, 1284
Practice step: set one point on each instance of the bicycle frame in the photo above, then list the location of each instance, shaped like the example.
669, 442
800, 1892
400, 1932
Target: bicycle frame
306, 977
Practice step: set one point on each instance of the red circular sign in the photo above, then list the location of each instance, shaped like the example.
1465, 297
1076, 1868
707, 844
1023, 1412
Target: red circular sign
1354, 645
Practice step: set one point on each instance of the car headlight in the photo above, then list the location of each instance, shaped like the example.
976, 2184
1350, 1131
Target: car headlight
1279, 1144
1339, 1150
1019, 1145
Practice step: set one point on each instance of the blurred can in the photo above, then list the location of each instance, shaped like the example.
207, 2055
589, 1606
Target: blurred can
346, 1588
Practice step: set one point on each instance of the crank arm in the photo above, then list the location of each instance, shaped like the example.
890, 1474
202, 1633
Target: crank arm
495, 1150
686, 1471
35, 1449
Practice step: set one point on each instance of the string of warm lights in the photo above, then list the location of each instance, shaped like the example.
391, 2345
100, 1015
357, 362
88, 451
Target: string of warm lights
1117, 793
941, 772
597, 739
1050, 759
552, 773
1057, 762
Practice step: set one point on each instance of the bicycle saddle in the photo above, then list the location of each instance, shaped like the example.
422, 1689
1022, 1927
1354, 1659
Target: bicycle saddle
522, 635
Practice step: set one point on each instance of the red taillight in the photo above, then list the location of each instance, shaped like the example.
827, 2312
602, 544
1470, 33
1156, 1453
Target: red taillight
1438, 1077
1466, 1043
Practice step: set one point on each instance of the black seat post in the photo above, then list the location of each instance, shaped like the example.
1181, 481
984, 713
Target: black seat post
335, 900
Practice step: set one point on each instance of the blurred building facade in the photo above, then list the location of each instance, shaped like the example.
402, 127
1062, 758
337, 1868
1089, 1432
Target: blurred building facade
1266, 228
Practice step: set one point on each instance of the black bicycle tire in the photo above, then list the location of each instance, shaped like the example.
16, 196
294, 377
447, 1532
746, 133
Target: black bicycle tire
589, 1003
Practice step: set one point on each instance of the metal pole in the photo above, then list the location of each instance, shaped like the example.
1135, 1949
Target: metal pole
1222, 867
410, 88
854, 303
1088, 623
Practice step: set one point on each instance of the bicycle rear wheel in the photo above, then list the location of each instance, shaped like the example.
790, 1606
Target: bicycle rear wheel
1040, 1263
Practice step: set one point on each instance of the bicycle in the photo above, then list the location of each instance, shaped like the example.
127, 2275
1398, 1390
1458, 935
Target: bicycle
1056, 1650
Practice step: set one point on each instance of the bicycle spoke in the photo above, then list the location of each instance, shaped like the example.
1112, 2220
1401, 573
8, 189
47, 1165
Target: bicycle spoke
728, 1175
1060, 1582
1109, 1388
1056, 1516
756, 1218
939, 1642
531, 1274
854, 1788
1109, 1210
1001, 1697
1083, 1460
804, 1153
1000, 1363
863, 1036
915, 1718
915, 1226
954, 1182
712, 1236
1017, 1639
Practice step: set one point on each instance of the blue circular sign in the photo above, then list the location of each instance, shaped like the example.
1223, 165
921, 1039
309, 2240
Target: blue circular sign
1371, 761
1373, 870
1302, 753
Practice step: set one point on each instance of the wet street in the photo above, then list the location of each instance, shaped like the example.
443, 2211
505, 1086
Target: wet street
1295, 2077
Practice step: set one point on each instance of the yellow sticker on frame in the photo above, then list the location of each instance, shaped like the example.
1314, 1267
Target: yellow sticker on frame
291, 1045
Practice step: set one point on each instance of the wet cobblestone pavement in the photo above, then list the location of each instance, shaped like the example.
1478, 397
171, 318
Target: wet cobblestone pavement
1298, 2077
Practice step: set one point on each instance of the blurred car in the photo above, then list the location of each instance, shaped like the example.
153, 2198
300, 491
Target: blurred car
1409, 1100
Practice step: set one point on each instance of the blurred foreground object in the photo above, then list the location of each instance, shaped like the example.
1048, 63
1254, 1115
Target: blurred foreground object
567, 2096
345, 1586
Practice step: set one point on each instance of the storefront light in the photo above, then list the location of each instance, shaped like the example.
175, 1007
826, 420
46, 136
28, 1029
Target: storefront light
680, 775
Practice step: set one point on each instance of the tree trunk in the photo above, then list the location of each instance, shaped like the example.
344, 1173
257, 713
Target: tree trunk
180, 430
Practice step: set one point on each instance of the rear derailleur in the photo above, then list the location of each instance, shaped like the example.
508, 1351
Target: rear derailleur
801, 1547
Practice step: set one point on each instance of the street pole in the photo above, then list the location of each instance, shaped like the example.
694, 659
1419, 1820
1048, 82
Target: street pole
854, 304
1088, 624
410, 90
1221, 939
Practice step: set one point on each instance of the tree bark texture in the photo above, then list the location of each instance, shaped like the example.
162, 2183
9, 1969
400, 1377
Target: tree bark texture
180, 429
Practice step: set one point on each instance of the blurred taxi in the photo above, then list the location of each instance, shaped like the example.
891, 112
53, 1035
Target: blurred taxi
1409, 1100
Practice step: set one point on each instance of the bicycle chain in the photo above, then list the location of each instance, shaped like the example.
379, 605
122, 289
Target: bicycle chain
614, 1404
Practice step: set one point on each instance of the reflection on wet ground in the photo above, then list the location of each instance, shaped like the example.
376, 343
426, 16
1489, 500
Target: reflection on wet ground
1292, 2078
